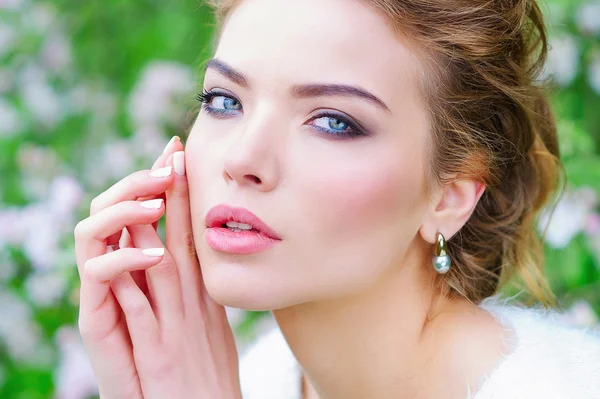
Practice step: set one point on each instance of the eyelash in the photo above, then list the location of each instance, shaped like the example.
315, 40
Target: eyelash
355, 131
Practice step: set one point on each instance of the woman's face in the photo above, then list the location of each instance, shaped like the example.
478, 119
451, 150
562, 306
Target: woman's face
339, 176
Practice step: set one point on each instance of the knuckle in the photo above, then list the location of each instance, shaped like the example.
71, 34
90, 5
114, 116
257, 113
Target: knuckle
163, 369
84, 329
166, 268
94, 205
189, 243
182, 191
86, 266
88, 331
88, 269
135, 308
137, 178
80, 229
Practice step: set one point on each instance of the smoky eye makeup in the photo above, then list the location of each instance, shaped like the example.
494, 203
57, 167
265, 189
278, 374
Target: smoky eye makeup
332, 124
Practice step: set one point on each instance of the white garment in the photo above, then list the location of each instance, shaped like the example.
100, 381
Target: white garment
549, 360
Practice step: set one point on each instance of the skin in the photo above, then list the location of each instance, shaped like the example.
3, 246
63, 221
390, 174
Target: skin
148, 325
356, 223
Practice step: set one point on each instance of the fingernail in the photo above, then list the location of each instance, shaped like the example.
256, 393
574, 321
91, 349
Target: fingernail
179, 163
153, 251
152, 204
162, 172
169, 143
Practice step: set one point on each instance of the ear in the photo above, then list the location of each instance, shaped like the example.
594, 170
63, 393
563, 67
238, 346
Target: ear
451, 207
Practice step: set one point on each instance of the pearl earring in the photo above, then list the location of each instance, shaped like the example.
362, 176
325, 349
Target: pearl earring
441, 260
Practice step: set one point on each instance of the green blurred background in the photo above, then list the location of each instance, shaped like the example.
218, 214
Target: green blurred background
91, 91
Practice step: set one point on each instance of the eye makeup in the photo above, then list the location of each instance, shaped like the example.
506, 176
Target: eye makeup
333, 124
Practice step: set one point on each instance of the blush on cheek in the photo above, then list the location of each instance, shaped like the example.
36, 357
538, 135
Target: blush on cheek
367, 198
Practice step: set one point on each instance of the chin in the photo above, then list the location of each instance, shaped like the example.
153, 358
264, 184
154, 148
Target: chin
248, 291
228, 288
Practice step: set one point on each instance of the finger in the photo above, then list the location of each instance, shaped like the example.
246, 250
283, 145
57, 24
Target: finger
141, 184
141, 321
115, 239
179, 237
139, 276
108, 345
136, 185
106, 334
173, 145
91, 234
163, 279
169, 149
125, 240
108, 266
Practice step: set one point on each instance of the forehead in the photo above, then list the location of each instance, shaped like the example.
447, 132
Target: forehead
277, 43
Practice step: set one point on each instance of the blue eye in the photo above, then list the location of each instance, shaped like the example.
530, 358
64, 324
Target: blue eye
336, 125
216, 103
332, 124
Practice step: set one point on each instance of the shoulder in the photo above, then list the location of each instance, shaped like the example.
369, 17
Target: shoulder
269, 370
551, 359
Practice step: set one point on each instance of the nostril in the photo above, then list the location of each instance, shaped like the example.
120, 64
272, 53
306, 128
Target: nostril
254, 178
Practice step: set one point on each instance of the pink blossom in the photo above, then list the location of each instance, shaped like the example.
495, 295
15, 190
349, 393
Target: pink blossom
592, 224
65, 195
56, 53
152, 101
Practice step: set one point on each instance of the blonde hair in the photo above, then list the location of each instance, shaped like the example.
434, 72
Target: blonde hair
491, 121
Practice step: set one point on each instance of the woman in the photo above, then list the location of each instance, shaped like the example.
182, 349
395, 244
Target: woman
369, 171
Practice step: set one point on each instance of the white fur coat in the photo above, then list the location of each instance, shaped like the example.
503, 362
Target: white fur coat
550, 360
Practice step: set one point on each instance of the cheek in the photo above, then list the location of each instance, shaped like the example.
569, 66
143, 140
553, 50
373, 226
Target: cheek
196, 146
366, 194
202, 168
201, 160
361, 215
194, 159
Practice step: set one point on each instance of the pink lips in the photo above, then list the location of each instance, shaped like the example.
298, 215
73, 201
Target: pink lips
221, 238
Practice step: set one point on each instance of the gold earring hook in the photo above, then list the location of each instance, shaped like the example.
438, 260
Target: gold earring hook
441, 249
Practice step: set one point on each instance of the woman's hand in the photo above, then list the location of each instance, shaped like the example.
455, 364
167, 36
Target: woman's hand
149, 327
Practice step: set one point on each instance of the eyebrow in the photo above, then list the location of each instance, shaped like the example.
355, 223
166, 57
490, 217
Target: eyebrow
312, 90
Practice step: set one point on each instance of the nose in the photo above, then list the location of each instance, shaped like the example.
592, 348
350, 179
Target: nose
252, 159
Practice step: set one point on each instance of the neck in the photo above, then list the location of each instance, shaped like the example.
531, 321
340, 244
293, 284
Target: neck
370, 344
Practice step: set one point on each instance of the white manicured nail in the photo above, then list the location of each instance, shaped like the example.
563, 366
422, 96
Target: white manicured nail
169, 144
152, 204
179, 163
162, 172
153, 251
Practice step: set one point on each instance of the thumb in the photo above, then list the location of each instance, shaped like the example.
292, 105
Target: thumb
179, 236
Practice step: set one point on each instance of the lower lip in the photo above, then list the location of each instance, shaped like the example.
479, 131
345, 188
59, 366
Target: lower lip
223, 239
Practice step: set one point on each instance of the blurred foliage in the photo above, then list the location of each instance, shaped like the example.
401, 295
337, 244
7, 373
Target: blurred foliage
77, 82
